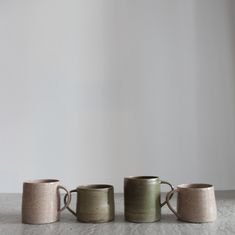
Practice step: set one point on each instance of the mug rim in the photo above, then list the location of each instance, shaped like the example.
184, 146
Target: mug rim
98, 187
42, 181
195, 186
143, 178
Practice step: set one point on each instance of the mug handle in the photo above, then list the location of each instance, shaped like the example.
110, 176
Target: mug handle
66, 203
65, 199
168, 197
172, 188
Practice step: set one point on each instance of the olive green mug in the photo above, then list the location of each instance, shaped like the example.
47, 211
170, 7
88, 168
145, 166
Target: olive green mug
95, 203
142, 198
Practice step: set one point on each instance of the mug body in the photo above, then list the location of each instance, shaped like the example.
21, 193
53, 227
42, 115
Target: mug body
196, 203
40, 201
142, 199
95, 203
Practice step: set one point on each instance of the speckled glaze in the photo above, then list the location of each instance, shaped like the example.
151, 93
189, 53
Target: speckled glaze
10, 221
195, 203
142, 198
41, 201
95, 203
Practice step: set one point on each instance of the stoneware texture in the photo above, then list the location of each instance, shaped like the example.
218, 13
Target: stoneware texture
10, 221
195, 203
142, 198
95, 203
41, 201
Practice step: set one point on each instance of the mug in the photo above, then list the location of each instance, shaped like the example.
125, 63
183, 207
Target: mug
41, 201
195, 203
142, 198
95, 203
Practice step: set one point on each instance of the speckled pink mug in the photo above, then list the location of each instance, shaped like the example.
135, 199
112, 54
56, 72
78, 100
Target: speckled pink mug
195, 203
41, 201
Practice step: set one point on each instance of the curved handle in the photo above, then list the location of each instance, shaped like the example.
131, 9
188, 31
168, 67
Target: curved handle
65, 199
168, 197
172, 188
66, 203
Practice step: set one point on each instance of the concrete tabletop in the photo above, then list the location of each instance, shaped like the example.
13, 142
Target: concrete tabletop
10, 221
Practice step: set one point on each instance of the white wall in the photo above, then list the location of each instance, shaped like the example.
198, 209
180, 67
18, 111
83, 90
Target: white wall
92, 91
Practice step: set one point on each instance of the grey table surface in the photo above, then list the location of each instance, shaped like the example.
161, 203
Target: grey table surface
10, 220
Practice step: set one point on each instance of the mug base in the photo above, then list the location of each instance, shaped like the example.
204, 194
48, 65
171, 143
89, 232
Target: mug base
39, 223
196, 221
95, 222
138, 222
141, 220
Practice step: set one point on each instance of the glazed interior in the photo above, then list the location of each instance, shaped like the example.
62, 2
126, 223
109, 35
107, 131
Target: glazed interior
41, 181
143, 177
195, 186
96, 186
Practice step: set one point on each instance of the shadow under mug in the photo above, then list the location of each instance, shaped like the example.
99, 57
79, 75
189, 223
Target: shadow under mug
142, 198
95, 203
41, 201
195, 203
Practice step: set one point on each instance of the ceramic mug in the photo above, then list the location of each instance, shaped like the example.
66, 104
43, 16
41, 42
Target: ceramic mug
142, 198
95, 203
195, 203
41, 201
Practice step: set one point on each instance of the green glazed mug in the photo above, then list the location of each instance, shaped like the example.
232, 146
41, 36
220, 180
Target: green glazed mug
95, 203
142, 198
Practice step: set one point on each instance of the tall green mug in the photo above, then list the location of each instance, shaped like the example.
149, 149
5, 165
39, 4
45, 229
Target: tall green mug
142, 198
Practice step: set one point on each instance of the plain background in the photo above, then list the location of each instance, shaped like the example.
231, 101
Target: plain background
92, 91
